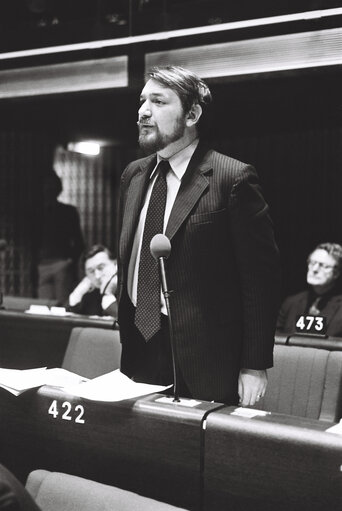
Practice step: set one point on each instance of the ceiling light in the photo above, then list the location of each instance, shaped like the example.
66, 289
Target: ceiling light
87, 147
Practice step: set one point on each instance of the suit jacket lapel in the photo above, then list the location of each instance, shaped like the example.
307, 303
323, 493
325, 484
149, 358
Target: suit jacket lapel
192, 187
135, 195
331, 309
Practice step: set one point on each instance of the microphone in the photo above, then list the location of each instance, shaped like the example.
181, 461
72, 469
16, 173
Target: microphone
160, 248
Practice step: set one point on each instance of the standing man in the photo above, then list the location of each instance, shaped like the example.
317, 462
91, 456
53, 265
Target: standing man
223, 266
60, 243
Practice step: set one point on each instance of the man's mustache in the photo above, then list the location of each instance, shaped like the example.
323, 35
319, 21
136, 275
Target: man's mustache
142, 122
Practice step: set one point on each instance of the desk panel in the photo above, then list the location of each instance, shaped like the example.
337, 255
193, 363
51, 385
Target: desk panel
307, 341
28, 340
276, 462
141, 445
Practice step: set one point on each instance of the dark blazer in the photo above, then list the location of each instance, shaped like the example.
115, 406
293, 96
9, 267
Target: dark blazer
60, 235
91, 304
223, 269
296, 305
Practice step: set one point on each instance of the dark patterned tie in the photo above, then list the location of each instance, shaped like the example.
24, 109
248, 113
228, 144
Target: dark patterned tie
147, 314
314, 310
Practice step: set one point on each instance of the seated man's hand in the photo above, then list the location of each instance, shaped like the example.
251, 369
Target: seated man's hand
252, 386
110, 286
85, 286
109, 281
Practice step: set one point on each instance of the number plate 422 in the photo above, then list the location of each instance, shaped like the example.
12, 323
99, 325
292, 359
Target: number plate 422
311, 325
67, 412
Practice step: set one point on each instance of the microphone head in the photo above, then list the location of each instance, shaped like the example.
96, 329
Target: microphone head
160, 246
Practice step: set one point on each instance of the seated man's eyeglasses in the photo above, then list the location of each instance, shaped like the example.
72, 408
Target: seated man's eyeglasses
323, 266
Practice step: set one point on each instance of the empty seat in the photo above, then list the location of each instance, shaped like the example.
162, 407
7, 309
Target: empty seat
92, 352
305, 382
54, 491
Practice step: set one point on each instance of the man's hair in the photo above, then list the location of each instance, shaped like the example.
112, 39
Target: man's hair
333, 249
95, 249
189, 87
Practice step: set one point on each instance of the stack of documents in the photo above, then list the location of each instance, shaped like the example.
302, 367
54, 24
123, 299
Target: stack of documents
17, 381
113, 386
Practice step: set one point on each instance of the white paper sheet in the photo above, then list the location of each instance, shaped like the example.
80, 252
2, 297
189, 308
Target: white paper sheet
249, 412
113, 386
337, 428
17, 381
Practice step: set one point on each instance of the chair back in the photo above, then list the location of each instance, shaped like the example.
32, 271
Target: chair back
92, 352
306, 382
54, 491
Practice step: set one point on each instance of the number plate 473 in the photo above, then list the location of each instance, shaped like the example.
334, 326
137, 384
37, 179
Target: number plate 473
311, 324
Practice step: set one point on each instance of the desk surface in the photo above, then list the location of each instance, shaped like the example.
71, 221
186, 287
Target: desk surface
31, 340
70, 319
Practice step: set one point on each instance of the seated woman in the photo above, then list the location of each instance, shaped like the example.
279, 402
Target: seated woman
95, 294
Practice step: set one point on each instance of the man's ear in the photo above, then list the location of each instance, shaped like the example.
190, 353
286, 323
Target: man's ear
337, 273
193, 115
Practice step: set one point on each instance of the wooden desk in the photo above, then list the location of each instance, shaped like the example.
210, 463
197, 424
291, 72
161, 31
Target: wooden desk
141, 445
162, 450
276, 462
28, 340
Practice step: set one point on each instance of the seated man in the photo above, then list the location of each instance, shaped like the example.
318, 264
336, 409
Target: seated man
324, 295
95, 294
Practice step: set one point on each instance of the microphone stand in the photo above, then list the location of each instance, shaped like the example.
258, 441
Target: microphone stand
166, 294
3, 246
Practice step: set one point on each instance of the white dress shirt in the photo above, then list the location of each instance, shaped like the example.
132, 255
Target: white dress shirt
178, 163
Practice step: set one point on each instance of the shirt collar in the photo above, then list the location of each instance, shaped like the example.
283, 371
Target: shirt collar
179, 161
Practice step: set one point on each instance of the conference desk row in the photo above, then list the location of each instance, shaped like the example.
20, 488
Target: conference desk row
204, 457
35, 340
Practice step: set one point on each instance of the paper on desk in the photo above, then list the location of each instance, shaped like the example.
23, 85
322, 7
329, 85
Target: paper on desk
337, 428
58, 377
17, 381
48, 311
113, 386
249, 412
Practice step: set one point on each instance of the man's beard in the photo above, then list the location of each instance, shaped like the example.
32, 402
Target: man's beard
156, 141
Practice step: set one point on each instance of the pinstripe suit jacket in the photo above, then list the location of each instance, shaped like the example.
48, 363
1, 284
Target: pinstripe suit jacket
223, 269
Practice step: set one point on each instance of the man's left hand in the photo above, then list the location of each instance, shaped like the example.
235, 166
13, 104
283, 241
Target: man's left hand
252, 386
